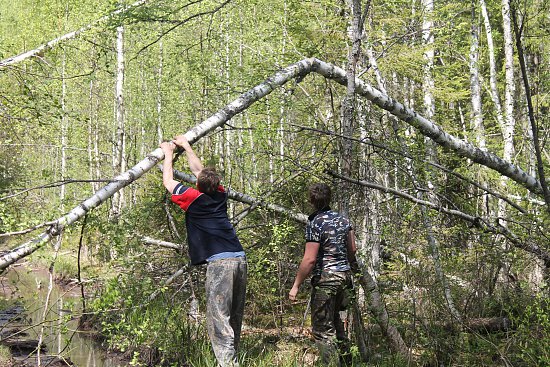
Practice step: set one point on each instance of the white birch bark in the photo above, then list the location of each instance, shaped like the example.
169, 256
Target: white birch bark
63, 132
159, 93
432, 130
119, 161
510, 122
429, 107
90, 136
228, 134
46, 46
475, 87
380, 81
151, 241
270, 143
427, 67
492, 63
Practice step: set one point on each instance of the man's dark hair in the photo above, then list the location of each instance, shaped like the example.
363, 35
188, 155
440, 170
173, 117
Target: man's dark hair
208, 180
319, 195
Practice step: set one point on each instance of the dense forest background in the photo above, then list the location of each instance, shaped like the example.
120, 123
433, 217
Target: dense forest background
454, 245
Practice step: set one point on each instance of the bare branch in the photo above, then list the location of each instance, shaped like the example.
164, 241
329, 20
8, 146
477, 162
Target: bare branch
40, 49
50, 185
17, 233
180, 23
151, 241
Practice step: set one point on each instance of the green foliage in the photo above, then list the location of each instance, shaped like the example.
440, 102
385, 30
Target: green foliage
270, 274
531, 333
181, 67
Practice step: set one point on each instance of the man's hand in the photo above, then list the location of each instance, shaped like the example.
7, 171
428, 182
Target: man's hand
167, 147
181, 141
292, 294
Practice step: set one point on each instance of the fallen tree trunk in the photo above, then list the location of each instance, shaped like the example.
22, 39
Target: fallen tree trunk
430, 129
488, 325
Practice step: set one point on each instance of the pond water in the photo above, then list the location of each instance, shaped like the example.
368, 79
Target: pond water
29, 287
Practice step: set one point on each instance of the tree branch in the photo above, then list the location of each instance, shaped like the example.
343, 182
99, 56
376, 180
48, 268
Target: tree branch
46, 46
534, 128
532, 248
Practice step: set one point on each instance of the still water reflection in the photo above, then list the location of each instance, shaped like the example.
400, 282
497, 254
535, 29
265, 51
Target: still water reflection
30, 287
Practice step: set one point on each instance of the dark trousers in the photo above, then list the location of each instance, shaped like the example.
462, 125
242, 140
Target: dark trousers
331, 294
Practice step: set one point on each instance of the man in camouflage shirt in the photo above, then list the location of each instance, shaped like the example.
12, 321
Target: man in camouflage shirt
330, 249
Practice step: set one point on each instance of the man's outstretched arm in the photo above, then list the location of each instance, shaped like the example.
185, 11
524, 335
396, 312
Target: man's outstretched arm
167, 166
195, 163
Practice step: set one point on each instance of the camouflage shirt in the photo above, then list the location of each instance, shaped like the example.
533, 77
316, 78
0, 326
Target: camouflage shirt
329, 229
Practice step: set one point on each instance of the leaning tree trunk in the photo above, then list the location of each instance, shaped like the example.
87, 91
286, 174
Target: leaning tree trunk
432, 130
214, 121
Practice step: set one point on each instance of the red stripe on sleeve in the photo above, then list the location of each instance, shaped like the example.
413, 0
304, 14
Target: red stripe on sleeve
187, 198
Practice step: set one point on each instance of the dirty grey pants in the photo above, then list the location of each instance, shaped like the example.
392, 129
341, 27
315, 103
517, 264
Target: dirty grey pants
225, 296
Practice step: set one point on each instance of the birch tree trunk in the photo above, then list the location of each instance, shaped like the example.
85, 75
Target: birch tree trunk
218, 119
475, 87
492, 63
63, 132
159, 93
429, 107
348, 104
432, 130
119, 163
299, 69
510, 90
509, 123
348, 129
90, 136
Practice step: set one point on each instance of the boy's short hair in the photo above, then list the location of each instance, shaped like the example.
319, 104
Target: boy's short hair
208, 180
320, 195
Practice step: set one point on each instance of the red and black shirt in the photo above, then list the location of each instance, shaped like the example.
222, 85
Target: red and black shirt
209, 231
